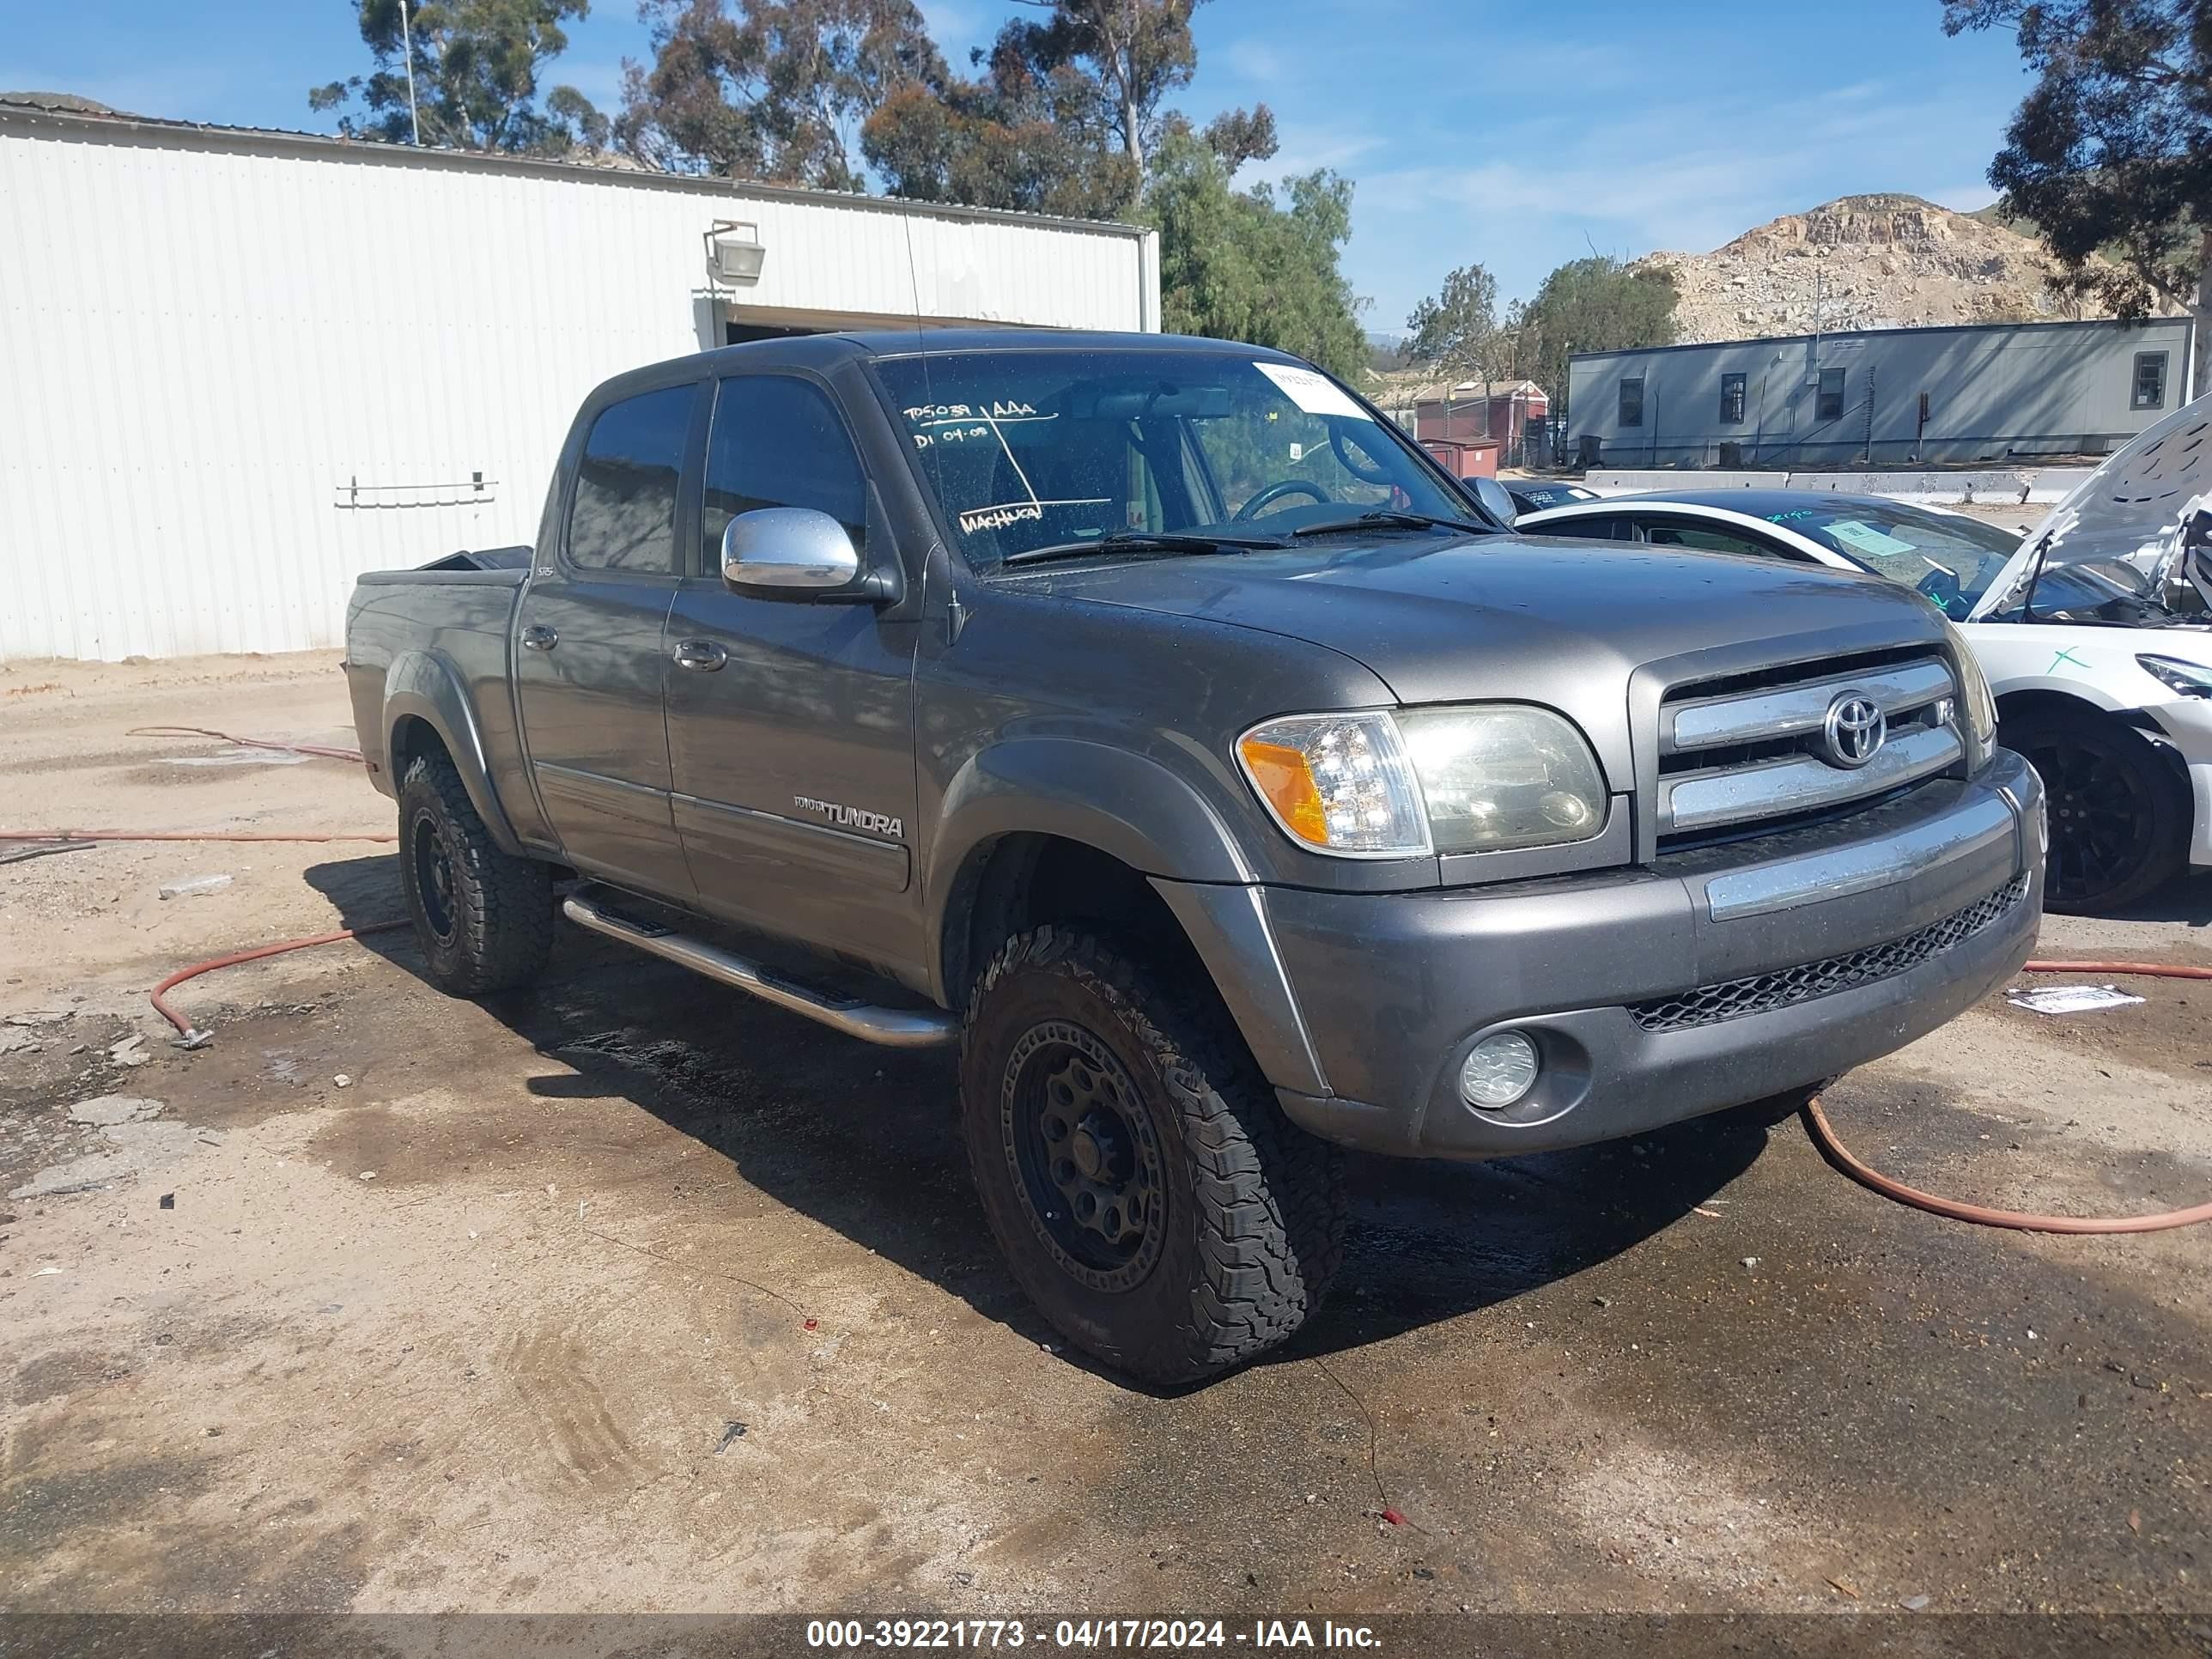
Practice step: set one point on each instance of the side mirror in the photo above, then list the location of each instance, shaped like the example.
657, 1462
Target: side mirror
1491, 496
790, 550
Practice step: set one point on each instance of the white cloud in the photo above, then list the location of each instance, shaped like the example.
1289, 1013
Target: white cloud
1963, 198
1311, 147
1256, 60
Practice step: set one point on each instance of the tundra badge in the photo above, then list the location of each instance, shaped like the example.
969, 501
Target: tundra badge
851, 818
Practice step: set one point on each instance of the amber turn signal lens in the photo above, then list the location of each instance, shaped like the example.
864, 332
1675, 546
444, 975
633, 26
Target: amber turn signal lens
1280, 772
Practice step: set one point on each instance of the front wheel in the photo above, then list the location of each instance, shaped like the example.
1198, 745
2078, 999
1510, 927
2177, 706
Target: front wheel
2119, 817
1148, 1193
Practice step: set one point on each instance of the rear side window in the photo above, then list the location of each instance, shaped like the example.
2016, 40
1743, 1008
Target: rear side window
778, 442
624, 513
1709, 540
1585, 529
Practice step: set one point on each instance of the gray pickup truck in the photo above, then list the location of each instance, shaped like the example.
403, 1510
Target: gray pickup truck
1152, 719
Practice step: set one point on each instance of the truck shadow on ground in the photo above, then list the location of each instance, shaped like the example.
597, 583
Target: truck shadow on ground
2186, 899
866, 1141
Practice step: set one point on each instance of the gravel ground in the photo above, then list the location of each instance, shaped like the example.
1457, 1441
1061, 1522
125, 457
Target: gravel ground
629, 1294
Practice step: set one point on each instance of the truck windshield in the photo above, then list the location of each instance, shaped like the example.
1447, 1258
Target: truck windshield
1030, 449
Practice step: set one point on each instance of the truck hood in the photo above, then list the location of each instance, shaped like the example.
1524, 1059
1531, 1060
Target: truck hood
1562, 623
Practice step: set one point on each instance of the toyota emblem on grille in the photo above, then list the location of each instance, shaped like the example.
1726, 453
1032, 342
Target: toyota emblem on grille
1854, 729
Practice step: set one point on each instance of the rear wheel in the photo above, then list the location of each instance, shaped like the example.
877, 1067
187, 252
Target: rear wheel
1148, 1193
2119, 817
483, 918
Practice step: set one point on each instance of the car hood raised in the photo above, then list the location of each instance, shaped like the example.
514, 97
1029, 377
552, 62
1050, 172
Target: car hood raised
2132, 509
1559, 622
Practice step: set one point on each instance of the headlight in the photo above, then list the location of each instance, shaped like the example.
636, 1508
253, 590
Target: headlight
2187, 679
1469, 780
1974, 692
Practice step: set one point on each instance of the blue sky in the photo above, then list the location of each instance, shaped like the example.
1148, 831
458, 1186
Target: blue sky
1476, 129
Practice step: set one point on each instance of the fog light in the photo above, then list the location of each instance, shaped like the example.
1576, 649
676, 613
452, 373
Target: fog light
1499, 1070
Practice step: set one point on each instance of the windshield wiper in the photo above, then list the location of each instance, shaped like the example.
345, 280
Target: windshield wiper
1391, 515
1139, 541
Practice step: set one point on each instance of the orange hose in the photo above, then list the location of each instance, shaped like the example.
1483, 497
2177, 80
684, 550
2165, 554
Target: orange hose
2148, 970
173, 835
323, 751
1824, 1136
194, 1038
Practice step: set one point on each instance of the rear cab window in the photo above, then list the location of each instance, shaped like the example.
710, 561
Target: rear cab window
622, 517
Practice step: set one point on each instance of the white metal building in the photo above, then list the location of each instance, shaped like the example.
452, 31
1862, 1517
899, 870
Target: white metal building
237, 367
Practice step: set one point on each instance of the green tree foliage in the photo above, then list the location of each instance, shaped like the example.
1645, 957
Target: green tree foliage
777, 90
1454, 334
1024, 134
476, 66
1249, 265
2111, 152
1133, 54
1593, 304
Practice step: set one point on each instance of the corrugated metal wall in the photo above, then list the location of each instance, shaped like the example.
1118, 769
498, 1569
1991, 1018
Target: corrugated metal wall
236, 369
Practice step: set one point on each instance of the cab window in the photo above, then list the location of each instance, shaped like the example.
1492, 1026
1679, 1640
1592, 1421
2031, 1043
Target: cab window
1709, 538
623, 513
777, 442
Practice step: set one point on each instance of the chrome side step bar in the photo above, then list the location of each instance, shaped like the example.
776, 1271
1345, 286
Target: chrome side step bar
894, 1028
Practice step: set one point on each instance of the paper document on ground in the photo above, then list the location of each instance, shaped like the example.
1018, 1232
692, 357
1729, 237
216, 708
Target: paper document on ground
2071, 999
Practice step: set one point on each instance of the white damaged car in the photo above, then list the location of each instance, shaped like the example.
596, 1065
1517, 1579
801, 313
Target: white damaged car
2095, 630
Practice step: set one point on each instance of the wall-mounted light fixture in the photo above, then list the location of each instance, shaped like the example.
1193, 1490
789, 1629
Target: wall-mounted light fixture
734, 254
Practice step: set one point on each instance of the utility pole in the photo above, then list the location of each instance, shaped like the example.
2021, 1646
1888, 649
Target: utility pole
407, 56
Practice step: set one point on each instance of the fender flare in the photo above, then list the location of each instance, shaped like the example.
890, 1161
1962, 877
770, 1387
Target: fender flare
1126, 805
424, 686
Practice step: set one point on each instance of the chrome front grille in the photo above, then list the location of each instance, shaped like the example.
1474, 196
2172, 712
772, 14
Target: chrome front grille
1756, 749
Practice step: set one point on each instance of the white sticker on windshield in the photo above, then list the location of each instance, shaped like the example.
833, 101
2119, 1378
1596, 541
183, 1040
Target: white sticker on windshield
1314, 393
1865, 539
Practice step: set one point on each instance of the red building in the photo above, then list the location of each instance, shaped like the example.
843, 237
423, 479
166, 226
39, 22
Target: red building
1465, 416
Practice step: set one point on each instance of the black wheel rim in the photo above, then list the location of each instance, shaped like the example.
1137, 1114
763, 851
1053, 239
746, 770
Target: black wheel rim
1084, 1156
2102, 819
433, 877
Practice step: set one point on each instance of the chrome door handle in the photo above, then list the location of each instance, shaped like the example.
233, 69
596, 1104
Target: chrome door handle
702, 656
538, 637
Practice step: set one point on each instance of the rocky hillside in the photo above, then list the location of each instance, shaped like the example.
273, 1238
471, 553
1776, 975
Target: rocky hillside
1871, 262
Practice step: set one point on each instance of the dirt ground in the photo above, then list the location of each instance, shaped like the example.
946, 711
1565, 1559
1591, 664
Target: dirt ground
629, 1294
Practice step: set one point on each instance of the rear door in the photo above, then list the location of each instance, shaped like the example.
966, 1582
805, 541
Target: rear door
791, 719
589, 659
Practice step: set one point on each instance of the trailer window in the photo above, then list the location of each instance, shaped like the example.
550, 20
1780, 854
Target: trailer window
1732, 400
2149, 381
1829, 406
1632, 402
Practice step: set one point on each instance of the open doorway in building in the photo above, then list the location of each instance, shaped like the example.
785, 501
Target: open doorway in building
736, 333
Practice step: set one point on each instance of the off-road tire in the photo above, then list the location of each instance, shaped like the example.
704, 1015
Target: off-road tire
2109, 759
498, 908
1253, 1225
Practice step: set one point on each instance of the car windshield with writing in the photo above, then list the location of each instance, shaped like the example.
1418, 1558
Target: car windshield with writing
1951, 559
1034, 453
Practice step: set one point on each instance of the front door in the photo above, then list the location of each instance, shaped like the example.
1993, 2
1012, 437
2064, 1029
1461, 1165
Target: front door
588, 663
791, 720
